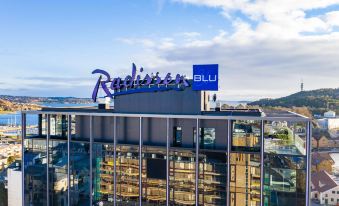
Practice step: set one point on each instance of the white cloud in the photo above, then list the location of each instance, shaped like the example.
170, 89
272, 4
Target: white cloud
285, 19
332, 18
265, 55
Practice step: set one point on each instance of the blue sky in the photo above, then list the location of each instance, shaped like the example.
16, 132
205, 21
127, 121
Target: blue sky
50, 48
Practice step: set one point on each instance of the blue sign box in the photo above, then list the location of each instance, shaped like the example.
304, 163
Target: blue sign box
205, 77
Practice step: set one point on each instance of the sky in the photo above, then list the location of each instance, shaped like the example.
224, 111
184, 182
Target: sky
264, 48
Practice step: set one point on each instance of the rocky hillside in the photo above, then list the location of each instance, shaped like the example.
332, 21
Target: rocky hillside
7, 106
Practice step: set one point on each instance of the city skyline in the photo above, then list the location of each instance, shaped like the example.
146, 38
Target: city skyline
264, 49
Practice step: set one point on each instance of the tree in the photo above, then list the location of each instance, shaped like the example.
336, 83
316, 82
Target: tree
10, 160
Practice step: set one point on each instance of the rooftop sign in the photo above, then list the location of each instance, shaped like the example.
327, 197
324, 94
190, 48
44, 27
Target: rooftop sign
135, 83
205, 77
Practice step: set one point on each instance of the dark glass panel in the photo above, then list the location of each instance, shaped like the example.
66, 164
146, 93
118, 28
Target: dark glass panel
59, 126
35, 180
212, 178
79, 174
57, 169
177, 132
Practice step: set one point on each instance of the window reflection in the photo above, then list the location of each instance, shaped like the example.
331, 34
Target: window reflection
103, 178
35, 180
244, 179
212, 178
283, 137
57, 169
206, 138
182, 177
154, 176
284, 180
127, 174
79, 174
59, 126
36, 126
177, 131
246, 135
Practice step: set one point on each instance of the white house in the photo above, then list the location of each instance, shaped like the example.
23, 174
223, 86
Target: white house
330, 121
329, 114
325, 188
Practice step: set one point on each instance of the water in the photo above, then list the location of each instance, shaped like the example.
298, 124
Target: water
14, 119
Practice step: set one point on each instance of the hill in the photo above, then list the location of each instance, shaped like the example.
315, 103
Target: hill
7, 106
317, 101
42, 100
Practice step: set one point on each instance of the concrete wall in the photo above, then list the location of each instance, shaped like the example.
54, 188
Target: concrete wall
165, 102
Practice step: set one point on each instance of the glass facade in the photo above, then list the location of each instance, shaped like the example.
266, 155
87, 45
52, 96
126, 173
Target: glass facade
244, 179
182, 177
153, 175
80, 174
103, 178
127, 173
57, 169
246, 135
212, 178
238, 162
285, 163
35, 176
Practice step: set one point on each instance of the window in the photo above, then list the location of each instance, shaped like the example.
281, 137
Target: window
332, 199
177, 140
246, 135
333, 192
206, 138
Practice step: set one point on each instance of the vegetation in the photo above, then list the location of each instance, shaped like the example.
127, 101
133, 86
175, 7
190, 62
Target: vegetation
7, 106
282, 134
10, 160
317, 101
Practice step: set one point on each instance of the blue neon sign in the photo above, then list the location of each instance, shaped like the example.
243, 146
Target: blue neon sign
205, 77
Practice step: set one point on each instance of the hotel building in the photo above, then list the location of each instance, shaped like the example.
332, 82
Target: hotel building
165, 148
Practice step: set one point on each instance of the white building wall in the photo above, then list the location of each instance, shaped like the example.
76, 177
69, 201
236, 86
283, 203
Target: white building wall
14, 187
329, 114
333, 123
332, 196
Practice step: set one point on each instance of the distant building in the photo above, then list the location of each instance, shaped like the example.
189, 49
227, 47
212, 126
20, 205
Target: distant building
329, 122
320, 142
335, 158
329, 114
325, 188
14, 184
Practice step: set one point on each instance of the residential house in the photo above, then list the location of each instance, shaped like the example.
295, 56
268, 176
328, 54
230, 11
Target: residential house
325, 188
